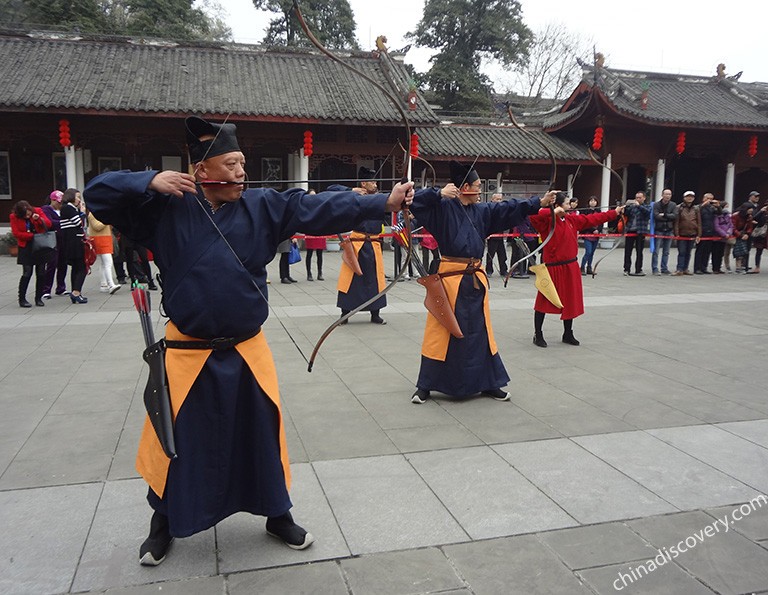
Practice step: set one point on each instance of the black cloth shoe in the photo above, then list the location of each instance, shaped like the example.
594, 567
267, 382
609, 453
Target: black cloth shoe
291, 279
23, 303
155, 547
420, 396
570, 339
497, 394
289, 532
309, 276
539, 341
151, 285
378, 320
286, 281
39, 302
320, 277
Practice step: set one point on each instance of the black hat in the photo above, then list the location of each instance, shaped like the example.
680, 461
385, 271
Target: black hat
461, 174
224, 139
366, 173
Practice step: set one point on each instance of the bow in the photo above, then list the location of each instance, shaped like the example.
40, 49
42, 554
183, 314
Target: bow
623, 191
407, 166
552, 176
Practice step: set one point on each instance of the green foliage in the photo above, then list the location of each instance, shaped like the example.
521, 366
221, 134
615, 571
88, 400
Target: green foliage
331, 21
467, 33
169, 19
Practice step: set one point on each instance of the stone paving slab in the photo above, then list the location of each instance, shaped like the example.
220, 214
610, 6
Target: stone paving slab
457, 476
672, 475
667, 579
726, 562
386, 485
589, 489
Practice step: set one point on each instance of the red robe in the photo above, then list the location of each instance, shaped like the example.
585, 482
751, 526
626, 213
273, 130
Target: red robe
564, 246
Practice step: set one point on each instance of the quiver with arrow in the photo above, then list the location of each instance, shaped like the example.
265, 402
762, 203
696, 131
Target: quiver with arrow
436, 302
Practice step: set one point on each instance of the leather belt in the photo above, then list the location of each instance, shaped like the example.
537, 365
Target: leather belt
217, 344
560, 262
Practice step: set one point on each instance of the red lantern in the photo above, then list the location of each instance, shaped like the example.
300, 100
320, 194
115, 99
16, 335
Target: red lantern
752, 150
414, 145
597, 139
680, 143
64, 138
307, 143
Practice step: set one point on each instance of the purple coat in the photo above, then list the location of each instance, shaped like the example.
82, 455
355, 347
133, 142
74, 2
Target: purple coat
724, 225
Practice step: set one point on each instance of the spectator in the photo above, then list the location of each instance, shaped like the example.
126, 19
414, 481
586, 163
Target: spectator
664, 215
101, 235
709, 209
743, 224
26, 221
284, 249
496, 249
687, 230
590, 244
721, 249
638, 226
56, 267
73, 234
758, 235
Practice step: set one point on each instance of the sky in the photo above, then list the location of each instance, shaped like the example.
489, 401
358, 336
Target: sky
676, 36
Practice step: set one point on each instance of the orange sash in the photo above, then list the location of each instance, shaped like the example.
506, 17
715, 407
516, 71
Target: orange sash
183, 367
436, 336
346, 274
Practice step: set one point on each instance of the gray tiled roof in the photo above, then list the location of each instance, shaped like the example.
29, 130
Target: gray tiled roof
120, 75
498, 142
681, 99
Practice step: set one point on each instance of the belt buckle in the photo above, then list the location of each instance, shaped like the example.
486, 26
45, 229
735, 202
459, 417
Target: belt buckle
222, 343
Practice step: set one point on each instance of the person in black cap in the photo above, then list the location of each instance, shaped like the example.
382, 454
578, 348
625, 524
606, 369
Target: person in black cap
354, 289
468, 365
212, 241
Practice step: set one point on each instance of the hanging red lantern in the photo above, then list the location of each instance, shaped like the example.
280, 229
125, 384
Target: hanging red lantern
307, 143
680, 143
414, 145
597, 139
752, 150
65, 140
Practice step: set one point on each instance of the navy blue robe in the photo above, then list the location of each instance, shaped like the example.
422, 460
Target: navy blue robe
460, 231
227, 429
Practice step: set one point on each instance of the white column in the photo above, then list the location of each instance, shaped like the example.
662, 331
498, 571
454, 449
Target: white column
302, 170
69, 156
605, 185
79, 172
625, 180
658, 188
730, 178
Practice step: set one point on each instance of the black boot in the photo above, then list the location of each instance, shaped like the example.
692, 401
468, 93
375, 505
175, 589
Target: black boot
155, 547
538, 324
23, 284
568, 333
343, 314
538, 340
320, 274
376, 319
589, 269
583, 271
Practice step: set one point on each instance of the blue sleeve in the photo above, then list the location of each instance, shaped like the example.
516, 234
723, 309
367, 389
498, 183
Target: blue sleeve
510, 213
123, 199
426, 206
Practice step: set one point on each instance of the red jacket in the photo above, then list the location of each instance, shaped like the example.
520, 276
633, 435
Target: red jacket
19, 227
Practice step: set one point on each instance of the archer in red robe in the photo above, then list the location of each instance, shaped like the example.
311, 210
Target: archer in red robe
560, 258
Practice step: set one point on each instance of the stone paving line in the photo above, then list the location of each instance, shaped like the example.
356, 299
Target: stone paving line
634, 442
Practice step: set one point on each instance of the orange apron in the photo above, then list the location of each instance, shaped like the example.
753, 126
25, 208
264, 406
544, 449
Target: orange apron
183, 367
436, 336
346, 274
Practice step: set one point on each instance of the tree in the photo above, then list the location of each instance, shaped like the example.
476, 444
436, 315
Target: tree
552, 70
467, 33
332, 22
172, 19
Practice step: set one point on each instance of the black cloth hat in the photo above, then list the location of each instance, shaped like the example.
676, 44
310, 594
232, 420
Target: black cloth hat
224, 139
461, 174
366, 173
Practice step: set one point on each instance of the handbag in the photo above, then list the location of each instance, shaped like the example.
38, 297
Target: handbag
89, 253
740, 248
759, 232
294, 255
43, 243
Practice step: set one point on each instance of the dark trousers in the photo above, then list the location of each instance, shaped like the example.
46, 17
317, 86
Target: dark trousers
636, 243
684, 249
77, 275
400, 254
425, 252
26, 275
718, 249
319, 261
702, 256
285, 268
496, 249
